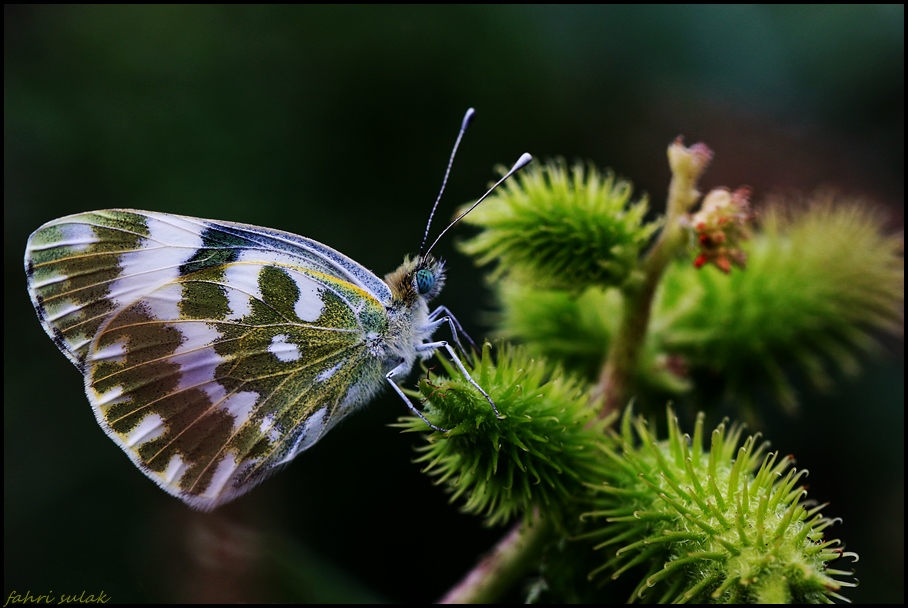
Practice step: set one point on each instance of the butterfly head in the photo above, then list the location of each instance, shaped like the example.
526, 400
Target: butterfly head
419, 278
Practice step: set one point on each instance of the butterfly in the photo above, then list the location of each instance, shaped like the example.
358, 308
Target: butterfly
214, 352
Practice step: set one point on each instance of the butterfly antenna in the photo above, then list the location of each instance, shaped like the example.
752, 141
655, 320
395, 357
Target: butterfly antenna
522, 162
467, 119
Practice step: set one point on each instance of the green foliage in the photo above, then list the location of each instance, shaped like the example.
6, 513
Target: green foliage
572, 329
560, 228
728, 524
543, 452
820, 280
577, 331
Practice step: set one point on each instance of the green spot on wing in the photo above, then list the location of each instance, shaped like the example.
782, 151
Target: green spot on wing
204, 296
279, 292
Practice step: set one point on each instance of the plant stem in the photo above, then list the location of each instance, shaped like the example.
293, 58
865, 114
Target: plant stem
501, 567
687, 165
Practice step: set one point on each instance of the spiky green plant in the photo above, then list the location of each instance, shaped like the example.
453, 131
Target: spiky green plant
542, 452
712, 295
727, 524
822, 279
562, 228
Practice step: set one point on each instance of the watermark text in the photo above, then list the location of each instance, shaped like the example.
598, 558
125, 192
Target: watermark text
83, 597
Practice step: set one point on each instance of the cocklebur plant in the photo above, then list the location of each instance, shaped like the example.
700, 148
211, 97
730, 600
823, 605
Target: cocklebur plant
540, 454
822, 282
727, 524
610, 307
563, 228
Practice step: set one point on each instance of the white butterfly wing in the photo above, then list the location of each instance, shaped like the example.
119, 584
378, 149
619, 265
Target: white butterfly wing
212, 351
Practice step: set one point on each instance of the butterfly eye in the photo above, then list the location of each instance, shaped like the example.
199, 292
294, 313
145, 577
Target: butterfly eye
425, 280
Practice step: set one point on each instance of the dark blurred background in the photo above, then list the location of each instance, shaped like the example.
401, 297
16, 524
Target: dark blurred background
336, 123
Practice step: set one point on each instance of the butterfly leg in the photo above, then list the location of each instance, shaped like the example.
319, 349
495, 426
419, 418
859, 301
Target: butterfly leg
442, 344
390, 378
456, 328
